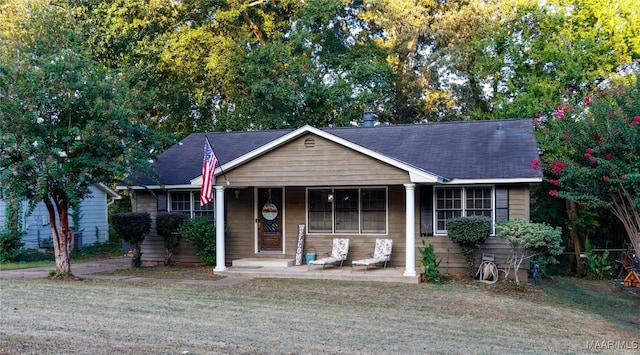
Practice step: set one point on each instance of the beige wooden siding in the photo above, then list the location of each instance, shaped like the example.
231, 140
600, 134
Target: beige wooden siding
314, 161
451, 256
153, 251
519, 202
240, 236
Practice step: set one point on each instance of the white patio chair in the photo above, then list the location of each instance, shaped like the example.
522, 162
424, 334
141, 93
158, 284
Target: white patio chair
381, 255
339, 254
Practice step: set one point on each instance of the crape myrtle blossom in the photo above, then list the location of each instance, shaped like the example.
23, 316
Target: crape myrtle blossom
590, 151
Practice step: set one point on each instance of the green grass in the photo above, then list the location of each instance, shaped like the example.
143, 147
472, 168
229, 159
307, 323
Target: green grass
287, 316
604, 298
30, 258
26, 264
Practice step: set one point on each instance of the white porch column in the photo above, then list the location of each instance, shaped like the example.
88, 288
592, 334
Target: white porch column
410, 229
220, 262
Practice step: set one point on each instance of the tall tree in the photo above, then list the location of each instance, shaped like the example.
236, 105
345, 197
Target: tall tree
511, 58
67, 121
591, 151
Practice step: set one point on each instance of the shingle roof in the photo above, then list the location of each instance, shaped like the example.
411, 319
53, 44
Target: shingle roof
453, 150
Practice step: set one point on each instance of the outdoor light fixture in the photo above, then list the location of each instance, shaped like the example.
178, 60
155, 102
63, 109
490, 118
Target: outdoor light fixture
330, 198
237, 192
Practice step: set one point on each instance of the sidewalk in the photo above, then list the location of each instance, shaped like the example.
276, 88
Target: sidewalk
88, 270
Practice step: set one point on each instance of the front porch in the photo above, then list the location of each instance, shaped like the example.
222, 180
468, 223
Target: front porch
282, 268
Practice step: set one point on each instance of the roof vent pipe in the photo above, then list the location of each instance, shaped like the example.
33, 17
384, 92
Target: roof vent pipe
368, 118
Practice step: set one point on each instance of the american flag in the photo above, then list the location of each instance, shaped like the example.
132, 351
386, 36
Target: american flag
208, 178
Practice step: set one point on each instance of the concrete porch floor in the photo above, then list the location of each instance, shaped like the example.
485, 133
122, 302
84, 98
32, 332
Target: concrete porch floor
281, 268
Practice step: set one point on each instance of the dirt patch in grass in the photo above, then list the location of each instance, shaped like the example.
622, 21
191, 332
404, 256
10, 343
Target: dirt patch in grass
192, 272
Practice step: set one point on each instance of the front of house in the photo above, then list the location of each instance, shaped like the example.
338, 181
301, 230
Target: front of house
399, 182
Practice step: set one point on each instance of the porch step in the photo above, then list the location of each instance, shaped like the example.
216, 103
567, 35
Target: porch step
261, 262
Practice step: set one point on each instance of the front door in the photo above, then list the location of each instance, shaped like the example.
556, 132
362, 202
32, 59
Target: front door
269, 219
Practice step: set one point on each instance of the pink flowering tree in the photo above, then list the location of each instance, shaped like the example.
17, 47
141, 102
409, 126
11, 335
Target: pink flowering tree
591, 152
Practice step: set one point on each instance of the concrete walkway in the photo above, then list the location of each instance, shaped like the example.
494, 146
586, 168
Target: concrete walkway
89, 270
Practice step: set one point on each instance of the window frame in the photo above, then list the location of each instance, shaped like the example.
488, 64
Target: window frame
195, 209
463, 205
324, 192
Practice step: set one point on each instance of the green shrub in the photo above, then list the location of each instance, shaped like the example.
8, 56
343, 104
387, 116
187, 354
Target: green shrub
32, 255
133, 228
201, 233
596, 266
429, 264
167, 226
10, 244
468, 233
530, 240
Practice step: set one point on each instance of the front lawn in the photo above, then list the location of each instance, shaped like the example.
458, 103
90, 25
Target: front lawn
286, 316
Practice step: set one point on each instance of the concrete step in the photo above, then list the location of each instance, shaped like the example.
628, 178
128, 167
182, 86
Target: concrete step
262, 262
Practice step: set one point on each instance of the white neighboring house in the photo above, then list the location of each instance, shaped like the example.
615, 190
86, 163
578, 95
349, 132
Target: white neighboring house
93, 221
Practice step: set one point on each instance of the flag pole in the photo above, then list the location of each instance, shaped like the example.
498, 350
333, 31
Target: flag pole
220, 164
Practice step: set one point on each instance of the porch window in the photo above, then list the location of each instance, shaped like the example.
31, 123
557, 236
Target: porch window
188, 202
462, 201
347, 211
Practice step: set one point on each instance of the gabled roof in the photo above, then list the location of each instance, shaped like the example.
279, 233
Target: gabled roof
108, 191
456, 152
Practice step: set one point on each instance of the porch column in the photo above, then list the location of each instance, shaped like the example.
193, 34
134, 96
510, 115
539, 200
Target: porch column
220, 262
411, 230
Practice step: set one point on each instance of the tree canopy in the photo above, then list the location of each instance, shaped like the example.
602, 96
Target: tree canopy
237, 65
591, 151
87, 85
67, 121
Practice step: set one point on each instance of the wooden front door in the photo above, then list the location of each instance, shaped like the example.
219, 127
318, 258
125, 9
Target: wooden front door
269, 219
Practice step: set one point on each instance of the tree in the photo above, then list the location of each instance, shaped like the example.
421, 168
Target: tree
133, 227
591, 150
67, 121
167, 226
530, 240
510, 58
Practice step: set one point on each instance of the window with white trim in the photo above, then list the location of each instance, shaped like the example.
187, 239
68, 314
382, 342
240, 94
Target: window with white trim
452, 202
347, 211
188, 202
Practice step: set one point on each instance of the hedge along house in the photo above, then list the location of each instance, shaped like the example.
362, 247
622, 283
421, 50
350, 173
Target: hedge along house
396, 181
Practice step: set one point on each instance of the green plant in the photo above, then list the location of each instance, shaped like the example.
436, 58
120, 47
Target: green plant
201, 233
10, 245
167, 226
429, 264
596, 266
33, 255
55, 275
530, 240
468, 233
132, 227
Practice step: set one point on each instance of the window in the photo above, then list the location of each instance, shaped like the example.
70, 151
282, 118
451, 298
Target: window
188, 202
462, 202
349, 211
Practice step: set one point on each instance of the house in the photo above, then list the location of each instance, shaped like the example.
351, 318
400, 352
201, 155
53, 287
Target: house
92, 220
394, 181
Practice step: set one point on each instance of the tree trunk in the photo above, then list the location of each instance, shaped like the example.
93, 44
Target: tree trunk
624, 209
572, 213
61, 238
